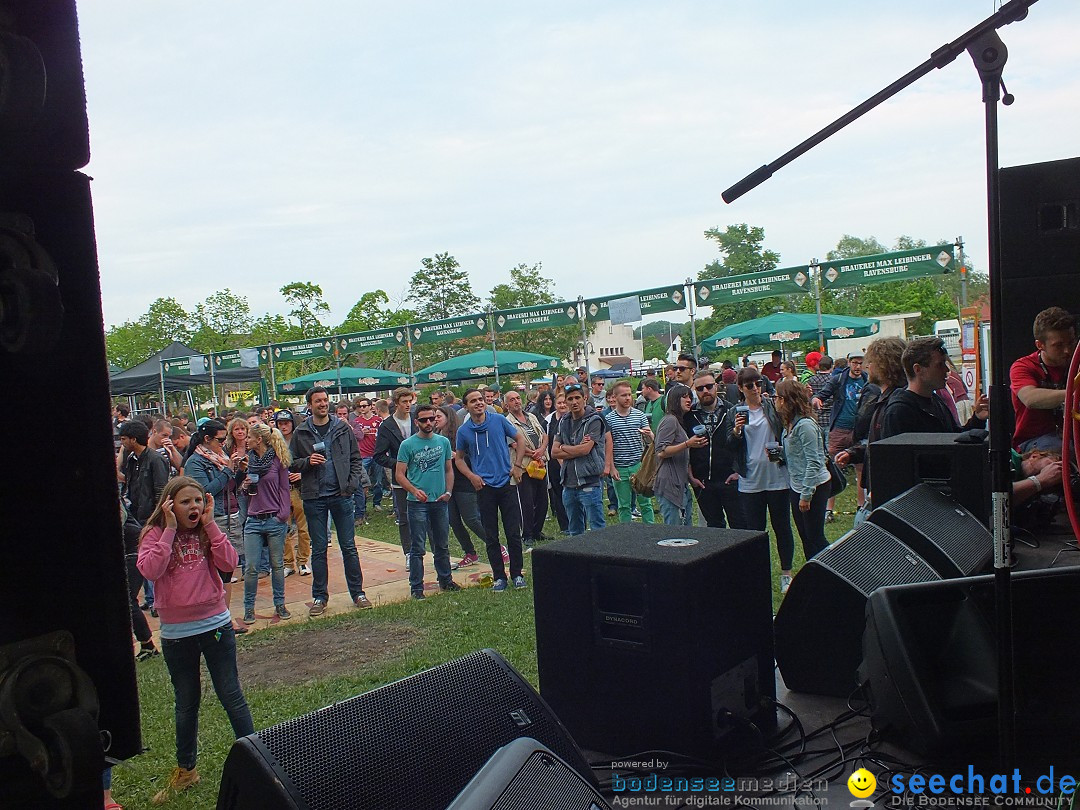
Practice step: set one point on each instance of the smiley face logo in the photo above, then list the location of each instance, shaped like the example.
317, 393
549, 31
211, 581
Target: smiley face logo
861, 783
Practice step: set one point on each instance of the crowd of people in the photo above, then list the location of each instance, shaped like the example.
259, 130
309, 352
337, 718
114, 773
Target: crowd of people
254, 493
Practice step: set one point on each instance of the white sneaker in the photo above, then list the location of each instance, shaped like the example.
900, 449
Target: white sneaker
785, 582
305, 570
288, 571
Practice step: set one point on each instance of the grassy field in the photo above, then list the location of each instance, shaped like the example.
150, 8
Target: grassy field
441, 628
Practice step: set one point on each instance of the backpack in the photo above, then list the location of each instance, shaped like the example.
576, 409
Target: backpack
642, 481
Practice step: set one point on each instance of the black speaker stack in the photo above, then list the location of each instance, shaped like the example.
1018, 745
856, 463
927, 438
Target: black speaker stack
657, 637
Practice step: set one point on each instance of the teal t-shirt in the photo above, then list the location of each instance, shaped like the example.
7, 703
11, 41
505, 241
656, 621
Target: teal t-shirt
425, 463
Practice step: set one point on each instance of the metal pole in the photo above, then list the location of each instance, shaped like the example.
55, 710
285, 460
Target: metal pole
494, 350
213, 383
584, 337
161, 373
273, 378
815, 269
693, 324
963, 272
412, 369
337, 363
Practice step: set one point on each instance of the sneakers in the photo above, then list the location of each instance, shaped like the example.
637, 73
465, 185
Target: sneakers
377, 507
418, 595
498, 585
363, 602
529, 546
519, 581
305, 570
636, 514
453, 566
829, 516
146, 653
505, 555
785, 582
468, 559
153, 611
288, 571
449, 586
249, 615
611, 512
318, 608
179, 779
282, 612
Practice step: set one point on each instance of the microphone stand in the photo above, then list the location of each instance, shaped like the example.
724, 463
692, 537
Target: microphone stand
989, 55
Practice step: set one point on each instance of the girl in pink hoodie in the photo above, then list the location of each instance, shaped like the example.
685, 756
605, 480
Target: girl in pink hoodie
182, 550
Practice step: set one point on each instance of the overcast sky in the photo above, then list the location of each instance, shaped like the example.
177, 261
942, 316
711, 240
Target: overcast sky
251, 144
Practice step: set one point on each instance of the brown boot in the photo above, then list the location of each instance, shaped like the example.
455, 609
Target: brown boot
179, 779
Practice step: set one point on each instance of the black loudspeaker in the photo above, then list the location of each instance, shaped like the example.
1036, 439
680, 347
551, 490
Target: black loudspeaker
929, 657
944, 533
1040, 246
819, 625
66, 660
657, 637
526, 774
410, 745
959, 469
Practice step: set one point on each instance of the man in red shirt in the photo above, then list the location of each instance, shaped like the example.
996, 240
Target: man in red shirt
1037, 381
771, 370
365, 425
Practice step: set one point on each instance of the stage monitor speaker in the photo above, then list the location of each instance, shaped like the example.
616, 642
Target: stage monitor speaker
961, 470
944, 533
525, 774
1040, 246
819, 625
929, 657
657, 637
410, 745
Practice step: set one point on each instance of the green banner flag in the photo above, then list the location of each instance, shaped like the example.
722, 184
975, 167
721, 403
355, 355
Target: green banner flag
303, 349
236, 358
392, 338
463, 326
537, 317
748, 286
658, 299
903, 264
181, 366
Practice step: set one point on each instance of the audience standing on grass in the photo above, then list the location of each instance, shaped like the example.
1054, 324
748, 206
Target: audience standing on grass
462, 510
673, 446
392, 431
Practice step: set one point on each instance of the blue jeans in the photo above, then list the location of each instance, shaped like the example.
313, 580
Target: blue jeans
465, 512
376, 474
360, 502
432, 517
676, 514
584, 505
218, 649
318, 511
271, 531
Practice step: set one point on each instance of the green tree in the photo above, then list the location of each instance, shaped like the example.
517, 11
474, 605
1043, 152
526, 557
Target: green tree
528, 287
372, 311
742, 249
134, 341
441, 289
220, 321
306, 300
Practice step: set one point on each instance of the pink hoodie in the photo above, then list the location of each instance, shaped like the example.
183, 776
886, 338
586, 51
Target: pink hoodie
186, 582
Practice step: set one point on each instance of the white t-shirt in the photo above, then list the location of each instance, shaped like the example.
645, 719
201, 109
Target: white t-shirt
405, 426
761, 474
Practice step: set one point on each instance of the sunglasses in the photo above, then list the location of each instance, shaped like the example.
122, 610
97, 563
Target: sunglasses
573, 387
758, 383
684, 368
705, 387
423, 420
215, 438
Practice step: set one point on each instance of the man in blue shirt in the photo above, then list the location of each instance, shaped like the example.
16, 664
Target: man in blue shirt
484, 458
425, 472
844, 391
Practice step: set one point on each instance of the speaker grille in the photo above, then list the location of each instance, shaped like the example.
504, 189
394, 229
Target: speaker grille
867, 558
415, 743
944, 523
546, 784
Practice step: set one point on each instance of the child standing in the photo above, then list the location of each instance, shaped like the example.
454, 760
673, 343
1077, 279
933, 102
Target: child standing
182, 550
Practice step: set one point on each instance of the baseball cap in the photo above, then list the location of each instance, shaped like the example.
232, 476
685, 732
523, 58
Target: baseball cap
855, 355
284, 415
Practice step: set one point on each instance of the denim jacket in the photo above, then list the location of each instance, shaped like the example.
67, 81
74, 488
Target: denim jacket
805, 455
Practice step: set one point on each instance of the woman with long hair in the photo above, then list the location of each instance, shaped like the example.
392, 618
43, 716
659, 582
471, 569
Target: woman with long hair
269, 506
754, 432
462, 509
804, 454
209, 465
532, 492
544, 407
554, 476
183, 550
788, 371
236, 449
673, 449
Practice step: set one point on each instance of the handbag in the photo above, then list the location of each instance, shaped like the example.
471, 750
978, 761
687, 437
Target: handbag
536, 469
837, 480
642, 481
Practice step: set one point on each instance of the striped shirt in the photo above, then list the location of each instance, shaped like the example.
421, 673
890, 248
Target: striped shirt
626, 440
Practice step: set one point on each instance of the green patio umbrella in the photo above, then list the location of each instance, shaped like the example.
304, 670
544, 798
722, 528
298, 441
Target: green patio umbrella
785, 327
353, 380
482, 364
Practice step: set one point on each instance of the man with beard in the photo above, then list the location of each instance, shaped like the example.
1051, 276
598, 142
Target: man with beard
1037, 382
713, 464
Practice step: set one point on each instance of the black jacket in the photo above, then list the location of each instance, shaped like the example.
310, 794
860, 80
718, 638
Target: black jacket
911, 413
146, 476
387, 441
344, 453
737, 444
831, 388
714, 461
868, 428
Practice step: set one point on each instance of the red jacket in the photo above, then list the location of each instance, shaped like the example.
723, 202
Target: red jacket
187, 586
